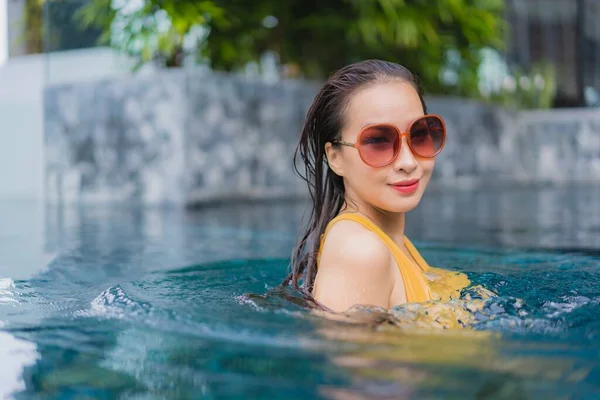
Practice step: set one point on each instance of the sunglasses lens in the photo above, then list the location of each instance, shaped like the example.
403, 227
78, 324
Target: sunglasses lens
379, 145
427, 136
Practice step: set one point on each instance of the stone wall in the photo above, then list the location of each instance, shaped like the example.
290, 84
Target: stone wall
174, 138
473, 151
565, 147
190, 136
487, 144
116, 140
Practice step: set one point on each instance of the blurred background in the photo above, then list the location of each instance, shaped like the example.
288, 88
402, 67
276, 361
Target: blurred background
146, 185
110, 63
546, 47
515, 55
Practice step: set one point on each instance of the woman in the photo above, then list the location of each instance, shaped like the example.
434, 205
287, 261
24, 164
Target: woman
369, 150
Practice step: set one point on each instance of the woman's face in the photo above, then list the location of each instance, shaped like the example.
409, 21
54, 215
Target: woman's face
392, 102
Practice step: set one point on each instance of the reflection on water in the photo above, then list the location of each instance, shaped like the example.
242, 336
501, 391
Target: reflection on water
525, 217
22, 251
128, 239
459, 364
152, 303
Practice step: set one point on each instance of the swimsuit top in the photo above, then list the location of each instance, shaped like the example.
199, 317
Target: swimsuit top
421, 281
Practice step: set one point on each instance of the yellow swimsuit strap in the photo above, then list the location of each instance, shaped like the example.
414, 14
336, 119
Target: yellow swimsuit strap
415, 283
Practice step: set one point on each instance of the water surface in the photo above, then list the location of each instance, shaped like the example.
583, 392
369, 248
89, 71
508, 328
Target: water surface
121, 302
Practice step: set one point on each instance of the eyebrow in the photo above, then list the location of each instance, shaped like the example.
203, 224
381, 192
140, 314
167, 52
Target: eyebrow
381, 123
389, 123
376, 123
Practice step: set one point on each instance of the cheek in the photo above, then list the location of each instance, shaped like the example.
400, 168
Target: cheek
362, 176
365, 175
427, 166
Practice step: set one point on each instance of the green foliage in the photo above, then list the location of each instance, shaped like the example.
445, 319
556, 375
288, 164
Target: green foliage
97, 13
33, 32
312, 37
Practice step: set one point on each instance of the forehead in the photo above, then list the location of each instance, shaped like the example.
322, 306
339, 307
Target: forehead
394, 102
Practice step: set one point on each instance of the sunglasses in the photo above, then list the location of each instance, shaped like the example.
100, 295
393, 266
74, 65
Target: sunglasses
379, 144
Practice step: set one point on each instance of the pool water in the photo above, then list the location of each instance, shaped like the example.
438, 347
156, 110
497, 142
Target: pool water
154, 303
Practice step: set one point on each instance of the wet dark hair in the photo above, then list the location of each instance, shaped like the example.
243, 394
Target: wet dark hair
324, 122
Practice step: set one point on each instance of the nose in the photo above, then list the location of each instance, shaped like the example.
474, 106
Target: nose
406, 160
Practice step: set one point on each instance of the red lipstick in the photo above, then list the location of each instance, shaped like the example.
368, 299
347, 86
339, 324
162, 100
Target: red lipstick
406, 187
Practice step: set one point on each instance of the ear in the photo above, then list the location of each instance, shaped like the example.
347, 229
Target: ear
334, 158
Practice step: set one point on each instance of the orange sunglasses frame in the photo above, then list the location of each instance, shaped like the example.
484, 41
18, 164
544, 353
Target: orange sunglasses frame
400, 136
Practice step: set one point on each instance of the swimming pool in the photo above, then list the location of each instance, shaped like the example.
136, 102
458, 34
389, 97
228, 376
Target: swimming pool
150, 303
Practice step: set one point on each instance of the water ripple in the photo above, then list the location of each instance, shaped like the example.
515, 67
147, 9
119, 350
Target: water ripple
114, 303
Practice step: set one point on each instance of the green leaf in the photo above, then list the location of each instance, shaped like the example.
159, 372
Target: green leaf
315, 37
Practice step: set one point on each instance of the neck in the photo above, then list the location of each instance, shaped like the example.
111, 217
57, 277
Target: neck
391, 223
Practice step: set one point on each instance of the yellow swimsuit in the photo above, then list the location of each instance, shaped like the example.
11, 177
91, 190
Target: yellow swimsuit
421, 281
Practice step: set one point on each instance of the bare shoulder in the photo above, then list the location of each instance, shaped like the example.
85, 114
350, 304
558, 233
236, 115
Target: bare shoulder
355, 246
355, 268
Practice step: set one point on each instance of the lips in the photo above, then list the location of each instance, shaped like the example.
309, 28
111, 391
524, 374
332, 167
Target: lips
409, 182
408, 186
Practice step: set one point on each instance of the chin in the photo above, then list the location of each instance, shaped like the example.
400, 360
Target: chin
408, 208
401, 207
406, 204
